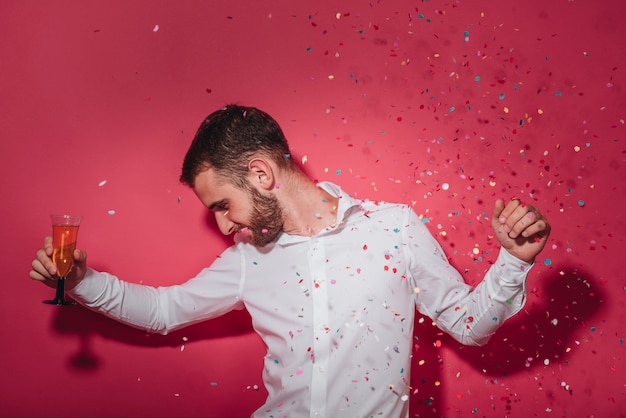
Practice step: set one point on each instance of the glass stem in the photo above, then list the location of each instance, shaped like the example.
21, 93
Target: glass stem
60, 295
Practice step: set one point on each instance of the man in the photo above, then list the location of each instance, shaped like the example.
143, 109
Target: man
331, 282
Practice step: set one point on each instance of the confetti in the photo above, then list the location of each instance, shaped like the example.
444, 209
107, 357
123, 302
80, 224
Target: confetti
444, 107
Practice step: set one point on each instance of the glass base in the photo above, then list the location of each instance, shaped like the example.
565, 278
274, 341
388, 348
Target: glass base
60, 302
59, 297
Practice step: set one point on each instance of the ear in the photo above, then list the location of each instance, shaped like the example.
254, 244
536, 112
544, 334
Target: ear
261, 174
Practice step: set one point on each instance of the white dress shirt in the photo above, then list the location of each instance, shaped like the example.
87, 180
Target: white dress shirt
335, 310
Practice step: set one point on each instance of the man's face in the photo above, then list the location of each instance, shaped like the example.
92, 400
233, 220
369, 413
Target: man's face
248, 211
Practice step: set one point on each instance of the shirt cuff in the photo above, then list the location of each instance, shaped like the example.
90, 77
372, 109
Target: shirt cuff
511, 269
89, 288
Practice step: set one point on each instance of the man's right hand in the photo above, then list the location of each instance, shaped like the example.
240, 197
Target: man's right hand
44, 270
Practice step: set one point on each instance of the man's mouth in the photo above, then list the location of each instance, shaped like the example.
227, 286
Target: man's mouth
241, 229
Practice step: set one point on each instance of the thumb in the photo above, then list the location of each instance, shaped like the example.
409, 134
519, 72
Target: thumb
79, 269
80, 259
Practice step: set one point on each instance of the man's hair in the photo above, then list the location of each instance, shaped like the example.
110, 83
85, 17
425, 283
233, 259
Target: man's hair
229, 138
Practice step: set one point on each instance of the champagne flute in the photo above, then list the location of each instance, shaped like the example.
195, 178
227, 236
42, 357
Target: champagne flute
64, 235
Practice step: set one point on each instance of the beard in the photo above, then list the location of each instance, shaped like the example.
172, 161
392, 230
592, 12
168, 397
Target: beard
266, 219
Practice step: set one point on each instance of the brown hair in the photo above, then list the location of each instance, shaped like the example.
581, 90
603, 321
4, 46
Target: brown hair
228, 138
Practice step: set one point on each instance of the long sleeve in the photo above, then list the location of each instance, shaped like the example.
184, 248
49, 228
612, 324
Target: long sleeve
213, 292
470, 315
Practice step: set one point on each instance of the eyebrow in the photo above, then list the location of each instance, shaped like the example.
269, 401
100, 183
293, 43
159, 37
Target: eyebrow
213, 205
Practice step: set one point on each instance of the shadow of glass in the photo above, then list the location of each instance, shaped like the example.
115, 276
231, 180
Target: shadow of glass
85, 324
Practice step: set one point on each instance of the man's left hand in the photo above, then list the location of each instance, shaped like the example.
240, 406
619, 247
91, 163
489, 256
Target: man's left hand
521, 229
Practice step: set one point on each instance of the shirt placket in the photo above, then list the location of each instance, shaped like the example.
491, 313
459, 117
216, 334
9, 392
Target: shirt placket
321, 337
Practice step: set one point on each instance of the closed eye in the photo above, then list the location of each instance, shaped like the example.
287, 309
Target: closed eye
219, 206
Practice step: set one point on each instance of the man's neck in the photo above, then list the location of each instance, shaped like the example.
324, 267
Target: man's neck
307, 208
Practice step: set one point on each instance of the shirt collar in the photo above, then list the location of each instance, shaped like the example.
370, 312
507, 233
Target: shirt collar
345, 204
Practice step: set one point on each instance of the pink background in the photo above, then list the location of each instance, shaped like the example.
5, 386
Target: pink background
444, 105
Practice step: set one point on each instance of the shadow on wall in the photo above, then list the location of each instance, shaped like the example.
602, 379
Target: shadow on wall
567, 298
543, 330
571, 296
85, 324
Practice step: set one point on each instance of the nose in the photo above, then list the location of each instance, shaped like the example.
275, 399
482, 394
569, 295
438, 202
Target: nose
225, 225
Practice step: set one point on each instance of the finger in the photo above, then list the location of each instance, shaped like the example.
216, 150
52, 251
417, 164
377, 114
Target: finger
539, 228
509, 209
44, 278
530, 221
497, 209
47, 245
521, 217
38, 271
46, 262
39, 277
